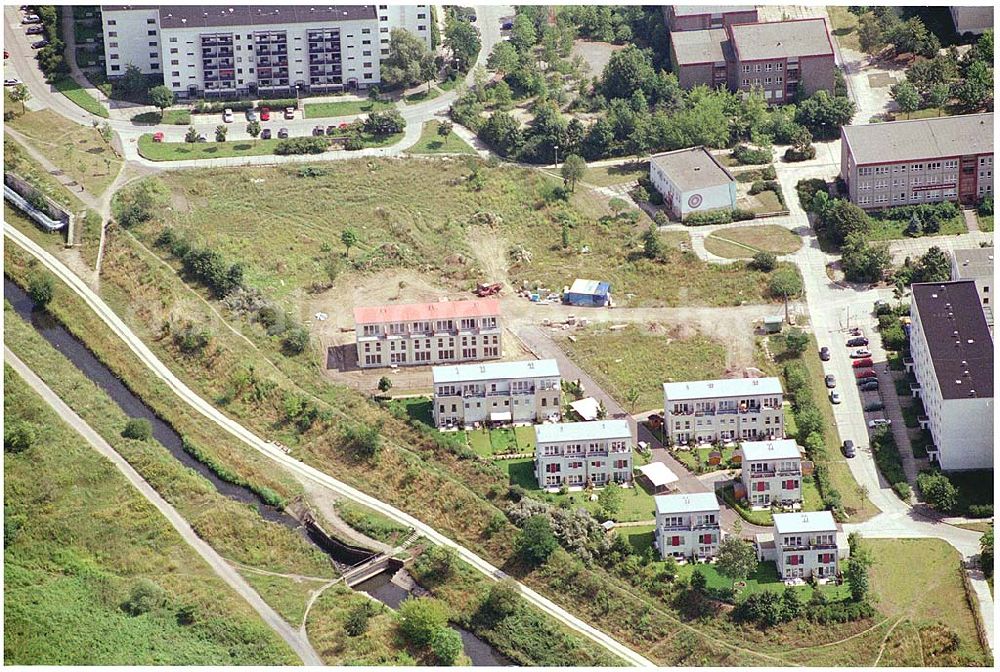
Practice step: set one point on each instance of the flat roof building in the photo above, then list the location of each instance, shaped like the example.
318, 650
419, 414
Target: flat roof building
727, 410
771, 472
692, 180
804, 545
975, 20
687, 525
593, 293
703, 17
952, 351
976, 264
578, 454
496, 393
918, 161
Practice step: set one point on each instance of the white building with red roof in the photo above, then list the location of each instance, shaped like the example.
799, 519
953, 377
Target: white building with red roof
418, 334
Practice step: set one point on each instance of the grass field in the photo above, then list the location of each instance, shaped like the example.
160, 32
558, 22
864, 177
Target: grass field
985, 222
379, 645
78, 150
844, 26
640, 359
17, 159
344, 108
744, 242
919, 582
889, 229
174, 117
607, 176
79, 95
78, 539
179, 151
371, 523
432, 143
422, 96
412, 215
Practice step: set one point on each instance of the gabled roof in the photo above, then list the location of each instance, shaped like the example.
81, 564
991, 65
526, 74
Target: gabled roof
686, 503
918, 139
414, 312
595, 430
779, 449
780, 39
726, 387
806, 522
467, 373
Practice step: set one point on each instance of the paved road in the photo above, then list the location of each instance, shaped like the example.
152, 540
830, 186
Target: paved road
298, 642
159, 369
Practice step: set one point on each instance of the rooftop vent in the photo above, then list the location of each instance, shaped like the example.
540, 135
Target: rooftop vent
933, 296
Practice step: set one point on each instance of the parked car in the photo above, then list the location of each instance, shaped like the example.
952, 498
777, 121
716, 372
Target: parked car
265, 114
227, 116
868, 386
251, 115
289, 113
282, 132
31, 18
834, 397
857, 331
879, 422
865, 363
202, 138
879, 303
39, 44
857, 342
848, 448
332, 130
861, 353
831, 381
158, 136
824, 353
319, 130
34, 30
864, 373
507, 25
866, 381
265, 134
13, 81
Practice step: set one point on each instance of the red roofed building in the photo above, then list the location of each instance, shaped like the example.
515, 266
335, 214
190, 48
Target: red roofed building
419, 334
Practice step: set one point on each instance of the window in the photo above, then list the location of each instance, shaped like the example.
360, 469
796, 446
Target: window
173, 39
756, 67
151, 21
114, 57
113, 45
154, 66
151, 32
115, 68
366, 65
175, 73
746, 82
746, 68
112, 33
112, 22
175, 62
779, 66
173, 51
366, 31
779, 79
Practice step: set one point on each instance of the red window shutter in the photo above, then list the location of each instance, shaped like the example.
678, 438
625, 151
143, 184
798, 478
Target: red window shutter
761, 486
676, 541
793, 560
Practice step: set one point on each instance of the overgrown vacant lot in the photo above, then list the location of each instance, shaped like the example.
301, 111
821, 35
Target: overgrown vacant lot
642, 359
285, 224
79, 541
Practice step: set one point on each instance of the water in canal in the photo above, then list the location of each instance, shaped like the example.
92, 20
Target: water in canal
341, 555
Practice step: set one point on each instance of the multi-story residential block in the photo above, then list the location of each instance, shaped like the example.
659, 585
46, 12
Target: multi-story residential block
952, 351
975, 20
918, 161
771, 472
976, 264
687, 525
256, 50
428, 333
783, 59
692, 180
732, 409
804, 545
680, 18
496, 393
577, 454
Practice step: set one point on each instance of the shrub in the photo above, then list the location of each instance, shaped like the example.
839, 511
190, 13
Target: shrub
535, 543
807, 189
446, 645
764, 261
785, 283
938, 490
144, 597
365, 440
385, 122
420, 619
749, 156
310, 145
903, 490
985, 206
18, 436
138, 429
717, 217
762, 185
793, 154
980, 510
296, 340
41, 289
356, 623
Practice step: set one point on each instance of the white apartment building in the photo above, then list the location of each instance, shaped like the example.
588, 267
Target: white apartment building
577, 454
256, 50
692, 180
804, 545
951, 347
732, 409
495, 393
428, 333
976, 264
771, 472
687, 525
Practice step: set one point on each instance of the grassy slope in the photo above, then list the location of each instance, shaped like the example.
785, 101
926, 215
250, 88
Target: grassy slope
79, 95
431, 143
77, 539
180, 151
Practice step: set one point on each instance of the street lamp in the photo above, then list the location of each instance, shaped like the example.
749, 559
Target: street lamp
555, 154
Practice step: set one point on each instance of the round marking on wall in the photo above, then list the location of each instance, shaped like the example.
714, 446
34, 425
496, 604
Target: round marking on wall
694, 201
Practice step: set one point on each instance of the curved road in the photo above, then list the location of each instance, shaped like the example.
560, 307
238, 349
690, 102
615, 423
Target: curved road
295, 640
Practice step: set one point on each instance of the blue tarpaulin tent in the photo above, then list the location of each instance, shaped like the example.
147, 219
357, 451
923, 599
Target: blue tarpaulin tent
589, 293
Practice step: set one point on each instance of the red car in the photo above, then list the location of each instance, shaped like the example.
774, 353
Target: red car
862, 363
864, 373
158, 136
265, 114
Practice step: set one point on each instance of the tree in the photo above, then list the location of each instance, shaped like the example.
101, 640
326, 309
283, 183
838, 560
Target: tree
699, 581
349, 237
906, 96
736, 559
824, 114
792, 605
862, 261
627, 71
420, 618
503, 600
764, 261
976, 90
144, 597
504, 58
652, 246
870, 34
632, 397
937, 96
161, 97
610, 499
20, 94
573, 169
857, 571
296, 340
565, 235
796, 341
133, 82
444, 129
503, 97
41, 289
138, 429
384, 384
863, 493
938, 490
986, 552
463, 41
409, 61
523, 35
253, 130
503, 133
841, 218
535, 542
220, 133
384, 122
933, 266
785, 283
446, 645
18, 435
356, 623
191, 135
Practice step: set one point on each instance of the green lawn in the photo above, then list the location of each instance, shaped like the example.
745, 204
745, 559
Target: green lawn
432, 143
607, 176
844, 26
68, 87
889, 229
174, 117
744, 242
985, 222
180, 151
417, 408
641, 359
422, 96
344, 108
479, 441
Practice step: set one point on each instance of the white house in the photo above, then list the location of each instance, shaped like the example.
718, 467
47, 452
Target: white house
576, 454
731, 409
804, 545
692, 180
771, 472
687, 525
496, 393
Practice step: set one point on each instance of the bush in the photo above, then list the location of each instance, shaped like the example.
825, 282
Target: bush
980, 511
296, 340
793, 155
807, 189
717, 217
785, 283
310, 145
420, 619
748, 156
903, 490
41, 289
356, 623
939, 492
144, 597
365, 440
985, 206
536, 542
138, 429
18, 436
385, 122
446, 645
764, 261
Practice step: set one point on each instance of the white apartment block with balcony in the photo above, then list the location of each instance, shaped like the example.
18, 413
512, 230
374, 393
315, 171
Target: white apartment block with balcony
256, 50
578, 454
771, 472
496, 393
732, 409
428, 333
687, 525
804, 545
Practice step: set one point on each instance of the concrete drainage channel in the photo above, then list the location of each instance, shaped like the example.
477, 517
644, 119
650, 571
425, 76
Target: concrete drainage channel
381, 577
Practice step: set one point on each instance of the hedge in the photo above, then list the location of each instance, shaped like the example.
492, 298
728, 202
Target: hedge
311, 145
718, 217
748, 157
